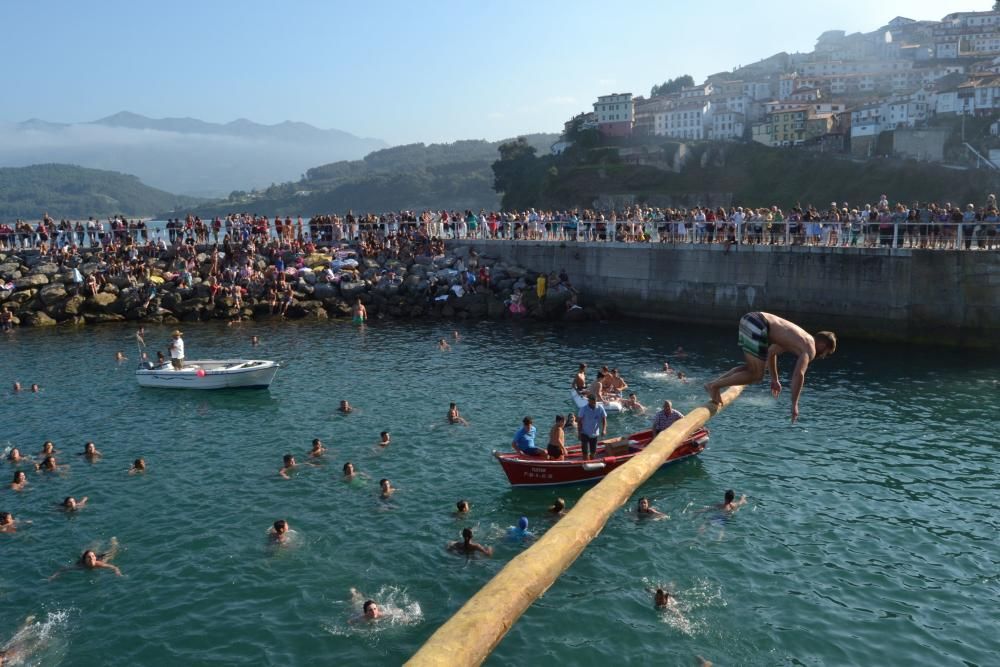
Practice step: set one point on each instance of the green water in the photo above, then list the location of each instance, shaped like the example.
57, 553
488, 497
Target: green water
870, 536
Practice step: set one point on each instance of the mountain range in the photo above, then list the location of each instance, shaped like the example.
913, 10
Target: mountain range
183, 155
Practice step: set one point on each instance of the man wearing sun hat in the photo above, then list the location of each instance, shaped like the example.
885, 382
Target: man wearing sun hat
176, 348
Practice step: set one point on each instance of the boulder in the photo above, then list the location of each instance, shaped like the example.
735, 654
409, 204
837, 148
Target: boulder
36, 280
74, 304
325, 291
46, 269
494, 308
351, 290
101, 301
10, 271
52, 294
39, 319
102, 318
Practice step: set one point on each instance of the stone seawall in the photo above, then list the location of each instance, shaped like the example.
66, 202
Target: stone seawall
921, 296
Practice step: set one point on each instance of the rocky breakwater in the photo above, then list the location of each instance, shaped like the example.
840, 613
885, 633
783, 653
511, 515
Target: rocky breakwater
38, 292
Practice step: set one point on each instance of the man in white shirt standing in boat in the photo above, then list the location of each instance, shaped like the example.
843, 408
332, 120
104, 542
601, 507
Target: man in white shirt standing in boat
177, 350
592, 423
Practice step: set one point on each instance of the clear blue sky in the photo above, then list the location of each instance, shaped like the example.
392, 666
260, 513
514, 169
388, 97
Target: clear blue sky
397, 70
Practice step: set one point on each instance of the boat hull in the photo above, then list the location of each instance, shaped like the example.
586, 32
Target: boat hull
231, 374
609, 406
526, 471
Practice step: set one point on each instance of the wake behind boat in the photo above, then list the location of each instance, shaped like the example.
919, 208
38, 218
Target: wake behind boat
209, 374
522, 470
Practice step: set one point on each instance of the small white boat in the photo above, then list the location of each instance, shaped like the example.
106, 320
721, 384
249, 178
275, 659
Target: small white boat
609, 406
209, 374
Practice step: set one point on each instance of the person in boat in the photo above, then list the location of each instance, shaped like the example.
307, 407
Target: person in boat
71, 504
15, 456
160, 359
317, 450
454, 417
632, 403
443, 345
524, 439
384, 439
8, 524
520, 532
729, 502
580, 379
345, 408
763, 337
592, 423
468, 547
597, 388
462, 507
279, 532
20, 481
558, 507
665, 417
138, 467
557, 440
359, 314
607, 381
90, 452
176, 349
645, 510
90, 560
386, 488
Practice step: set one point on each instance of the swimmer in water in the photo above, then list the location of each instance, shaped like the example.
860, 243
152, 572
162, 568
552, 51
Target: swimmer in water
359, 314
369, 609
645, 510
254, 340
35, 389
287, 463
48, 448
454, 417
468, 547
679, 352
20, 481
90, 452
666, 368
383, 439
89, 560
318, 449
680, 376
730, 504
571, 425
558, 507
71, 504
120, 356
22, 645
349, 472
454, 334
345, 408
520, 532
138, 467
443, 345
279, 532
49, 464
462, 507
7, 523
16, 387
15, 456
387, 489
662, 599
632, 403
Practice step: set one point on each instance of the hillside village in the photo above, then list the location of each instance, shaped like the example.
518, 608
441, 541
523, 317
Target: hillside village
903, 80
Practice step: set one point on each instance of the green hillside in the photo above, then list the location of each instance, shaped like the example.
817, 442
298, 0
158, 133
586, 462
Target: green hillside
411, 177
68, 191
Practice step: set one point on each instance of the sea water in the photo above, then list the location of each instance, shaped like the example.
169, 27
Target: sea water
869, 536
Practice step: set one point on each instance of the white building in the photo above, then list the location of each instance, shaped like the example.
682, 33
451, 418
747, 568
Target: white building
687, 120
726, 125
615, 114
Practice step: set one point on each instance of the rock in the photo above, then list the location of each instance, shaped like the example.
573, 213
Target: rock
317, 259
10, 271
101, 301
88, 268
36, 280
22, 297
351, 290
575, 315
73, 304
46, 269
325, 291
52, 294
102, 318
39, 319
308, 277
494, 308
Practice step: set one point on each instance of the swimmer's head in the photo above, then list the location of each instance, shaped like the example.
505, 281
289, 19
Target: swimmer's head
69, 503
14, 454
462, 505
558, 505
89, 448
88, 558
467, 534
348, 468
317, 443
288, 460
48, 447
49, 463
139, 464
730, 496
384, 483
280, 526
826, 343
6, 518
371, 609
522, 523
643, 504
385, 435
560, 419
19, 477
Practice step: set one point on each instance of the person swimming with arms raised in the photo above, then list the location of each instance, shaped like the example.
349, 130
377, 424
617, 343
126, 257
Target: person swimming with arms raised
71, 504
467, 547
646, 511
454, 416
138, 467
90, 452
90, 560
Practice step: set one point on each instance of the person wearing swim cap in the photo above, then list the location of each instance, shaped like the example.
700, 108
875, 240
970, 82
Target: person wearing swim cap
520, 532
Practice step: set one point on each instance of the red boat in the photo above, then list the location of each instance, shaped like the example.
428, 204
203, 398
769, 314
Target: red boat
524, 470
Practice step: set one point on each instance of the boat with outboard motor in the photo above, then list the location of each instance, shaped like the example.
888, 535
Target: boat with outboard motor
209, 374
522, 470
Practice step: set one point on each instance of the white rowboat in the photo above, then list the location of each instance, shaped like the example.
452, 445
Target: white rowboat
609, 406
209, 374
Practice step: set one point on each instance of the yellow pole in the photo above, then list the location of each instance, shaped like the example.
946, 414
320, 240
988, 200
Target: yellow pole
469, 636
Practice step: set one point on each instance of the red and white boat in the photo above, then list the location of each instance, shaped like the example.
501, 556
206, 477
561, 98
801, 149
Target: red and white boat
524, 470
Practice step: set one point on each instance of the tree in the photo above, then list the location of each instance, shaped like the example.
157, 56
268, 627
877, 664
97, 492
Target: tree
673, 85
519, 174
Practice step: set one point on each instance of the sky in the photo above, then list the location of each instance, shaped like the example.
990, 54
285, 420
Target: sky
401, 71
